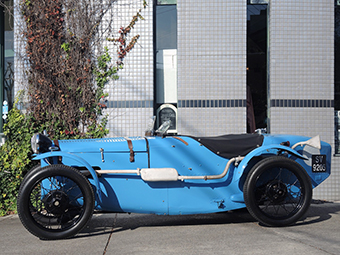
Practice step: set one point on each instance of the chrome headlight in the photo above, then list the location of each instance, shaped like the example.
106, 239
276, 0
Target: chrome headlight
40, 143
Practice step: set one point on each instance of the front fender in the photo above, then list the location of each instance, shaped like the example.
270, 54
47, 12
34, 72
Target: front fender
269, 149
77, 159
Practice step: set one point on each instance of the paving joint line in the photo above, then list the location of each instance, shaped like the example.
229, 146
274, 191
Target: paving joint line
111, 232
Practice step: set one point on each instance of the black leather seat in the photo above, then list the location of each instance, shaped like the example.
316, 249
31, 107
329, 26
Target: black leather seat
229, 146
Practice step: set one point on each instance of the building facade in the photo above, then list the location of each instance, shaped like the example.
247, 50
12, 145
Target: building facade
225, 66
6, 57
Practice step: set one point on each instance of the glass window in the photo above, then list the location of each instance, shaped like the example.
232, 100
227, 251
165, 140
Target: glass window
164, 2
8, 56
256, 67
166, 27
166, 54
1, 64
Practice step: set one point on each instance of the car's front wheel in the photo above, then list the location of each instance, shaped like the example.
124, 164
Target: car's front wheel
55, 202
277, 191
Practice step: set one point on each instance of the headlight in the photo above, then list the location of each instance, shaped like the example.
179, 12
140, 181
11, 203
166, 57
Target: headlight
40, 143
34, 143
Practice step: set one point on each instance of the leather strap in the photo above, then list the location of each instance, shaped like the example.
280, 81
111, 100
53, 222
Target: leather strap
56, 143
132, 154
178, 138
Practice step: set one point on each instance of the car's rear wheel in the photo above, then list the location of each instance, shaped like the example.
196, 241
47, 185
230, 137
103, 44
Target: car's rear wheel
55, 202
277, 191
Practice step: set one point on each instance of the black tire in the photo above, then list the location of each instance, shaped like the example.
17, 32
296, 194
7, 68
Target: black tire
277, 191
55, 202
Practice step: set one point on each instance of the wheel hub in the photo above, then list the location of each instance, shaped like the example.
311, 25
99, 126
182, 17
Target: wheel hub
56, 202
276, 191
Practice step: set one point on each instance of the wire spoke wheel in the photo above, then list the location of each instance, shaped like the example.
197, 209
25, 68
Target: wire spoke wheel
55, 202
54, 205
277, 191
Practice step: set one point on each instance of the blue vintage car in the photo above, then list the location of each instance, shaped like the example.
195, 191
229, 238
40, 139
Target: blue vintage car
271, 175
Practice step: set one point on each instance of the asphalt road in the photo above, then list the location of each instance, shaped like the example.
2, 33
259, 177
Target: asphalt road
224, 233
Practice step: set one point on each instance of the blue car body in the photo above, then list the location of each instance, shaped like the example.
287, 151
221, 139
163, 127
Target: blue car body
119, 186
271, 175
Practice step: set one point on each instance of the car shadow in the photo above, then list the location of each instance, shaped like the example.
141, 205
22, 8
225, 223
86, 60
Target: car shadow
320, 210
106, 223
112, 222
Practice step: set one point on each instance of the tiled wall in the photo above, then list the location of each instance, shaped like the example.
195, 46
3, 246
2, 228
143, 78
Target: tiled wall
301, 71
211, 66
19, 51
212, 72
130, 102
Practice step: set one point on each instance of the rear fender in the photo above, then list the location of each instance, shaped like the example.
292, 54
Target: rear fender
269, 149
76, 159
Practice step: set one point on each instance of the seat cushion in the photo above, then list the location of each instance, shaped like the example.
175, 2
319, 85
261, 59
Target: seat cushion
229, 146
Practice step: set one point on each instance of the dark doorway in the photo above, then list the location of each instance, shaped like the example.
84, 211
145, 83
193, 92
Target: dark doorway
256, 67
337, 58
337, 77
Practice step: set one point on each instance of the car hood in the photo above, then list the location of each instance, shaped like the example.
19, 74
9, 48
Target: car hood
107, 144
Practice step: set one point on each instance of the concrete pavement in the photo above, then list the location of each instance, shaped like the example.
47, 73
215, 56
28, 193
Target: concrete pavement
225, 233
